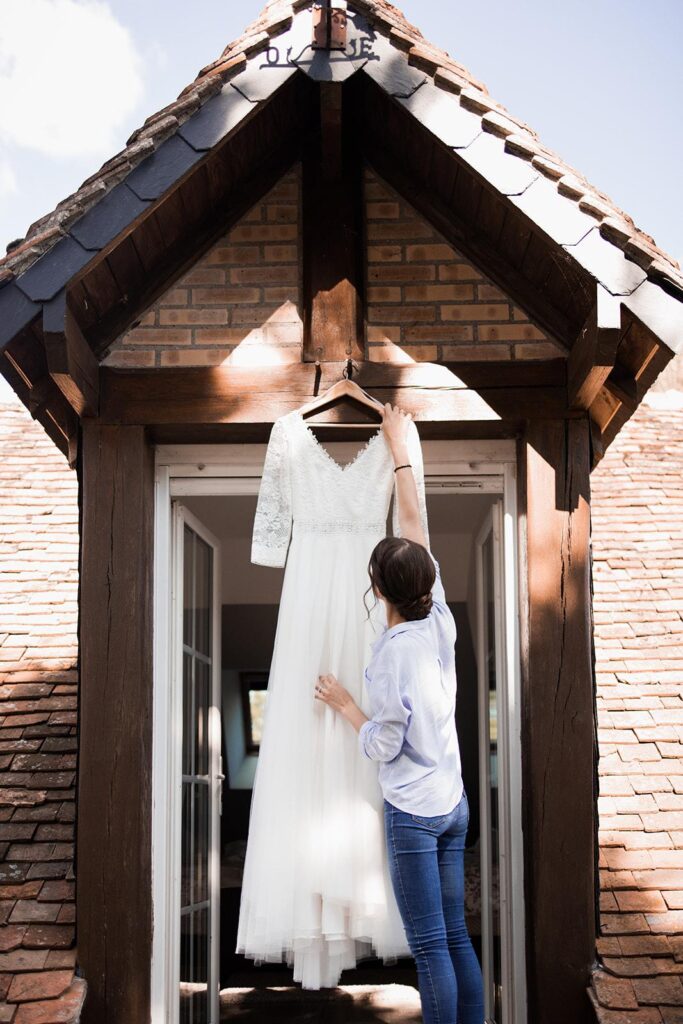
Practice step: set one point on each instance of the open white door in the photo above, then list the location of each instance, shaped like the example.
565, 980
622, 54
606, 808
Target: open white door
494, 791
196, 711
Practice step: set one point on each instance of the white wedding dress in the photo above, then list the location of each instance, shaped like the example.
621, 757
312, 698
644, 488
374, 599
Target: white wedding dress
316, 889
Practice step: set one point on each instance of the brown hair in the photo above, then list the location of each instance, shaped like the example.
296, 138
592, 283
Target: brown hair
403, 571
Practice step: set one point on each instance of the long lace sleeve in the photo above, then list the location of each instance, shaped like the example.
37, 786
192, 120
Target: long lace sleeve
415, 454
273, 519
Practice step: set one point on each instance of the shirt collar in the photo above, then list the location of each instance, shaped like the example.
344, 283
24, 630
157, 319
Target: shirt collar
400, 627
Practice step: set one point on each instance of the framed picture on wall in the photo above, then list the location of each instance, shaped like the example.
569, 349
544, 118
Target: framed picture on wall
253, 687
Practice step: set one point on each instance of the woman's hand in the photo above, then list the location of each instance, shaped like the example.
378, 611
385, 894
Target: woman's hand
331, 692
395, 424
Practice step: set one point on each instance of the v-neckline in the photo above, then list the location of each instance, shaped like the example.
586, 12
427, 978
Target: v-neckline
342, 469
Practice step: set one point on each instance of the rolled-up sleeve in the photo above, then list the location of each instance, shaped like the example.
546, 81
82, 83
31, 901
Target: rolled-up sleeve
381, 737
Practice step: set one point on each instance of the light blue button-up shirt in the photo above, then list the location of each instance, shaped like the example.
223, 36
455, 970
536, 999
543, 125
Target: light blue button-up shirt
411, 687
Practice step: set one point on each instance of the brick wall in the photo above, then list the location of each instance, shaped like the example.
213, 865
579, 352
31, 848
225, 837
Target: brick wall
427, 302
38, 734
637, 531
241, 303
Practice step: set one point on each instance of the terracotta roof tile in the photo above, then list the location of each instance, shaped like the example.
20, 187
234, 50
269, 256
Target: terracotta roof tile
447, 73
38, 643
637, 542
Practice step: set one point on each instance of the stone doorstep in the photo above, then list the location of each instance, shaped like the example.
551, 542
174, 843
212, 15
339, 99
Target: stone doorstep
345, 1004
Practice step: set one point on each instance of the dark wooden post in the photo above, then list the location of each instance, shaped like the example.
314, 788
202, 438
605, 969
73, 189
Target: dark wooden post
558, 731
333, 233
113, 866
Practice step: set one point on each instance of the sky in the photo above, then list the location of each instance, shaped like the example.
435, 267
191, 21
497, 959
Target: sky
600, 81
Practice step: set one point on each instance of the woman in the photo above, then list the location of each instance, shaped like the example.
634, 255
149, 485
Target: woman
411, 685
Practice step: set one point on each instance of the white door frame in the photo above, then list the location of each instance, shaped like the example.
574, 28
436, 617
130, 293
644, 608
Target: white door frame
167, 750
480, 466
493, 526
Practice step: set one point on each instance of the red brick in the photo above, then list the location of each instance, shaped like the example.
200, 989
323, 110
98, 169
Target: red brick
382, 210
438, 293
459, 272
440, 332
540, 350
400, 314
278, 274
204, 275
264, 233
384, 294
391, 231
159, 336
175, 297
453, 353
281, 253
281, 213
193, 316
279, 294
233, 254
429, 252
224, 296
476, 312
384, 253
128, 357
509, 332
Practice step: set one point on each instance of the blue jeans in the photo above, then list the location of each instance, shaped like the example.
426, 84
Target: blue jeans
426, 863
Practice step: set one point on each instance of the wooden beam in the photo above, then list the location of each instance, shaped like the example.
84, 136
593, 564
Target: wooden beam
113, 877
558, 731
258, 395
333, 234
594, 352
70, 360
24, 366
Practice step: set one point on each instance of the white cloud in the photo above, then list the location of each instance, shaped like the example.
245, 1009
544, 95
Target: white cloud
70, 75
8, 180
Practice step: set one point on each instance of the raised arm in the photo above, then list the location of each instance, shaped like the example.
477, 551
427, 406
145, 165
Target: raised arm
396, 425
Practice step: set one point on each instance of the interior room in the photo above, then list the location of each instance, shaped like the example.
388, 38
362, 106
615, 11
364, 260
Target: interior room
250, 595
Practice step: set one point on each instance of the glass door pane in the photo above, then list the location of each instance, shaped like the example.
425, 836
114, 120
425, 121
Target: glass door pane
490, 719
199, 787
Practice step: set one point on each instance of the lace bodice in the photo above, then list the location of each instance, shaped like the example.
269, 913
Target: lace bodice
304, 488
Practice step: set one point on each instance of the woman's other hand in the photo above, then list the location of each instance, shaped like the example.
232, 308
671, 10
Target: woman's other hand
332, 693
395, 424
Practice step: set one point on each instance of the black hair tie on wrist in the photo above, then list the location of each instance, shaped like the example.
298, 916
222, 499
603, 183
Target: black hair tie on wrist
406, 465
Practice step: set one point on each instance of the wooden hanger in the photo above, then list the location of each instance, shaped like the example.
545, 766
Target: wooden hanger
344, 388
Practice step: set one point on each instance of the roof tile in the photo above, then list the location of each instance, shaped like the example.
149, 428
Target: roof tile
447, 74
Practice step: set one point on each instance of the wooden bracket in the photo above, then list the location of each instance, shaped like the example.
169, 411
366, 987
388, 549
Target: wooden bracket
594, 352
70, 360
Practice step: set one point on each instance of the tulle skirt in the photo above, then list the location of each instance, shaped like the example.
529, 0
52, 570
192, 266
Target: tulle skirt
316, 890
